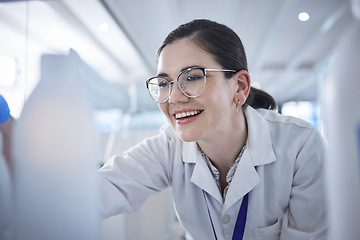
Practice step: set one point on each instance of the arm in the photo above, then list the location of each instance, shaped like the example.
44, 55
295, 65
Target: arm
127, 180
6, 129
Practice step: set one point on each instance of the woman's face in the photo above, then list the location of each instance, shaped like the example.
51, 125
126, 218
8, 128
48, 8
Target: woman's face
214, 107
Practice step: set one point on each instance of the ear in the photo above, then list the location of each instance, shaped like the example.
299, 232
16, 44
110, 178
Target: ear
242, 79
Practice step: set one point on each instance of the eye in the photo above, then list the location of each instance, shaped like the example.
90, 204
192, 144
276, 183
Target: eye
163, 83
194, 77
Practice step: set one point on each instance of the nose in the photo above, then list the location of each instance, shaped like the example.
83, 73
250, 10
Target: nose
176, 95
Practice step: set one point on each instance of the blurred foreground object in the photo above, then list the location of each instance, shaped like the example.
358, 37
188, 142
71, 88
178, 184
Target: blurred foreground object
342, 116
4, 110
6, 126
55, 167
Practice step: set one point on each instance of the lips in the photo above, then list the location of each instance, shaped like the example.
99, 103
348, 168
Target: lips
182, 115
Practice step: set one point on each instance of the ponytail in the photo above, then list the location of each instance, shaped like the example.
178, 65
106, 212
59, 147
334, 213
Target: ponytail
260, 99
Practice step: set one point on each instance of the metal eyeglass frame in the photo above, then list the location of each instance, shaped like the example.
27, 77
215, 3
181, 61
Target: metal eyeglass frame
204, 70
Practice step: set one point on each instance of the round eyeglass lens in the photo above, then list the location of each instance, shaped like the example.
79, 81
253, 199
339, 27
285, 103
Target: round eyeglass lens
192, 82
159, 89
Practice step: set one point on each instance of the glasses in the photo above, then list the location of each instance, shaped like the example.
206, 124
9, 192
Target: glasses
191, 82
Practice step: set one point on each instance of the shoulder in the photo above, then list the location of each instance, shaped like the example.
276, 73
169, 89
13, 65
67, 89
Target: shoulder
277, 123
273, 117
285, 132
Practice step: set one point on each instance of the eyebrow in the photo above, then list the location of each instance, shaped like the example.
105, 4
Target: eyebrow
162, 75
166, 75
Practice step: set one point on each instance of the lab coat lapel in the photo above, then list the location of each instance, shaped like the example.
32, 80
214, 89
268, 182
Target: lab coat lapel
244, 180
259, 138
201, 175
259, 151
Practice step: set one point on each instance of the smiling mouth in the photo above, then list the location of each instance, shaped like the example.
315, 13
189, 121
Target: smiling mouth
187, 114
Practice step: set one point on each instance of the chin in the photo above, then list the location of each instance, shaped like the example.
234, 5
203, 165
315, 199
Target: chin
186, 136
184, 133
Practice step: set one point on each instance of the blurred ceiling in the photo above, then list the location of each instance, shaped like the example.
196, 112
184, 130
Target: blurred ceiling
119, 39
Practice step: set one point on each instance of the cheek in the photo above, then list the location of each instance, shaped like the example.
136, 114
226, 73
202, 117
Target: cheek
221, 105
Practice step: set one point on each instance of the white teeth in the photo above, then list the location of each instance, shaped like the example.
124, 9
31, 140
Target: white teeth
186, 114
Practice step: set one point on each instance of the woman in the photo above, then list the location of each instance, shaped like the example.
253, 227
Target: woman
234, 170
237, 171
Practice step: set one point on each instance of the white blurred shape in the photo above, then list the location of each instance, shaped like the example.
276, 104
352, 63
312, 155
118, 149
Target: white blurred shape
342, 126
355, 6
7, 71
56, 195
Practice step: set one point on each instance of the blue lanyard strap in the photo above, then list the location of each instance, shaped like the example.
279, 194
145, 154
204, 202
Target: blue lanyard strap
240, 221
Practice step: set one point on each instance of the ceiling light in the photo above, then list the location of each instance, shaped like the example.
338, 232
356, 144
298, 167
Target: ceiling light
303, 16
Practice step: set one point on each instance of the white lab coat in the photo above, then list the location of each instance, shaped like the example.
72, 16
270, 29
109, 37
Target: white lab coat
282, 167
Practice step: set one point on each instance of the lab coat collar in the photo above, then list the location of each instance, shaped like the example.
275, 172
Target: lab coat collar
259, 151
259, 138
201, 173
245, 179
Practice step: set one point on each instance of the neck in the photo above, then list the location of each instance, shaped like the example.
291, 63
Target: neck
224, 149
